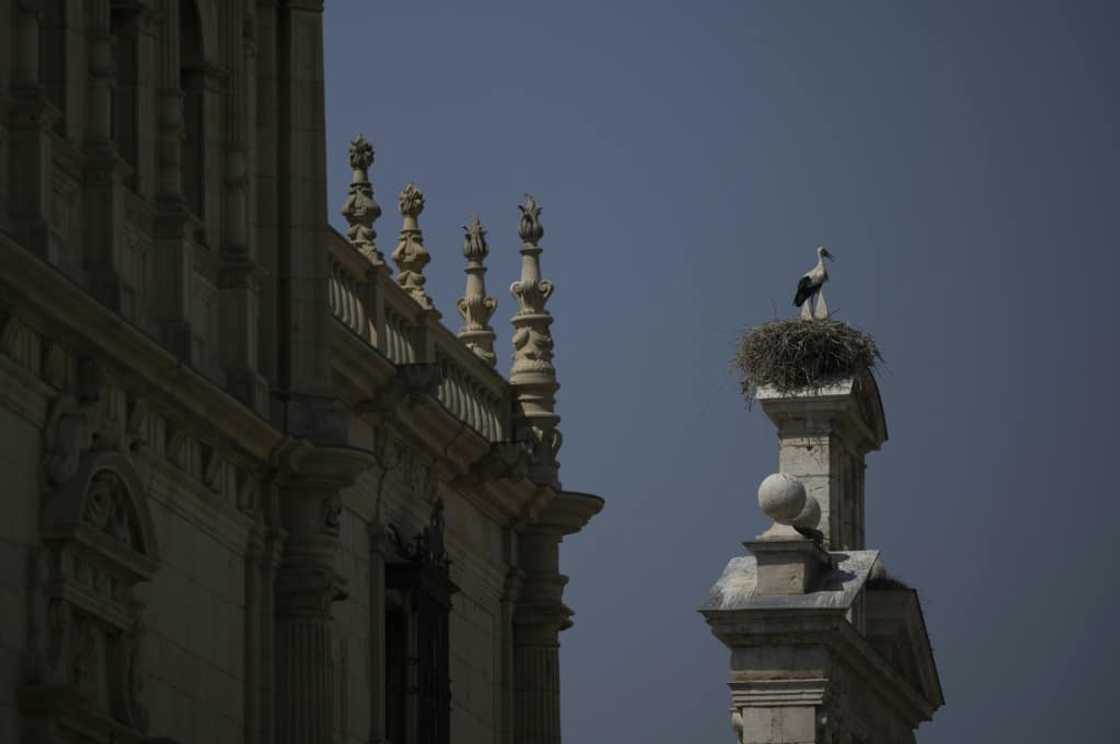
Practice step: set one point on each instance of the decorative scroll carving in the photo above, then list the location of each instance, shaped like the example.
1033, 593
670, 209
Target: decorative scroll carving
504, 460
411, 384
475, 307
360, 209
410, 255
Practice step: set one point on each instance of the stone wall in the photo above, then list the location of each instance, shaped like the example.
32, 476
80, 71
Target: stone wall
19, 541
221, 420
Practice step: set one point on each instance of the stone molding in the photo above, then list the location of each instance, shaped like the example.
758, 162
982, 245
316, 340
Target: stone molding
830, 631
92, 326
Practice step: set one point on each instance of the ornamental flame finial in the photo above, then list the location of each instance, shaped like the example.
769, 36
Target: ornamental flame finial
360, 209
410, 255
530, 228
533, 376
475, 307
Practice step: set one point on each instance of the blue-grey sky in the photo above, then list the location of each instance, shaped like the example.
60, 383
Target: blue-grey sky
960, 159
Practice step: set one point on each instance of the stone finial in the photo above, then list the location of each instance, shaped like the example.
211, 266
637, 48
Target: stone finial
784, 499
410, 254
530, 228
360, 209
789, 554
532, 338
533, 375
475, 307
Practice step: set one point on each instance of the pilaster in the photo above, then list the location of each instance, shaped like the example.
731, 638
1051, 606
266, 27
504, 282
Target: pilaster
262, 558
304, 307
307, 584
540, 614
5, 160
32, 117
381, 547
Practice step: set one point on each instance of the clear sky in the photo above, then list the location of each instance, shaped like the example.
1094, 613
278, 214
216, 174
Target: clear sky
960, 159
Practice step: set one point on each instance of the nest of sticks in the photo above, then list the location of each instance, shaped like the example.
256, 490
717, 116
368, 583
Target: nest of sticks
791, 355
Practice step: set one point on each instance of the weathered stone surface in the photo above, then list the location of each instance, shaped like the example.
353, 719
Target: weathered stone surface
215, 412
824, 649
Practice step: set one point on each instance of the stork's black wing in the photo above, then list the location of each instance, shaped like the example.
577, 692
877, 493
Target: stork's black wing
805, 290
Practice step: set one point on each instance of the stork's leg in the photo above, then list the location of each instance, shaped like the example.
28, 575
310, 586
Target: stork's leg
821, 311
807, 309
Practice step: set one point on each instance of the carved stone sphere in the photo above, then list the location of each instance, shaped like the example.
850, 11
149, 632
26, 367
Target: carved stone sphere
782, 497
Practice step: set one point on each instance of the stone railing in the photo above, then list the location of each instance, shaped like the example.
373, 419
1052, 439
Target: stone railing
347, 294
470, 395
366, 301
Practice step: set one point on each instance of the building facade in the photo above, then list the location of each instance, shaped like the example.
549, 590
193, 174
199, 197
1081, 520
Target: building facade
255, 489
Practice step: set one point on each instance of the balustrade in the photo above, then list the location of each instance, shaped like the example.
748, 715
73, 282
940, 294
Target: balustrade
367, 302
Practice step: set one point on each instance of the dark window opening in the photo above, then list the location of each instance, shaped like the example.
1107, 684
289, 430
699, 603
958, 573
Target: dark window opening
417, 635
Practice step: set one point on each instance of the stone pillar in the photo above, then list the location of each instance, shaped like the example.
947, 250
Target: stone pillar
508, 654
103, 195
238, 284
148, 43
5, 148
28, 17
307, 583
806, 666
539, 617
265, 204
7, 11
100, 73
31, 118
105, 171
262, 557
173, 252
824, 437
533, 377
304, 307
380, 547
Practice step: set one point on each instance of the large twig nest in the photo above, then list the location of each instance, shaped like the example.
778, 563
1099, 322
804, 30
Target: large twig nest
791, 355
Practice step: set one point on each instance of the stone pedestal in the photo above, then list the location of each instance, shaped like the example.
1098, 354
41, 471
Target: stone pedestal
788, 566
824, 436
806, 668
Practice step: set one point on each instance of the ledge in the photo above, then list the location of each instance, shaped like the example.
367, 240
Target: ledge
87, 326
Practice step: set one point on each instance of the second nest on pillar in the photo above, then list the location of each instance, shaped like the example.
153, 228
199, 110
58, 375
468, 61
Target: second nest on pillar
791, 355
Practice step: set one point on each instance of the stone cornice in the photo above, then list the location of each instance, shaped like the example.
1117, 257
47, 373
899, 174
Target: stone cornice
828, 628
569, 512
88, 325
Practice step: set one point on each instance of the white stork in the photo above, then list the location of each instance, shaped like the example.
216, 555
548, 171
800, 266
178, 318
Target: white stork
810, 287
